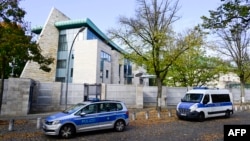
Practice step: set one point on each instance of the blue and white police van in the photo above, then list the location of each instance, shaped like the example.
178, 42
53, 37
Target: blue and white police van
87, 116
205, 103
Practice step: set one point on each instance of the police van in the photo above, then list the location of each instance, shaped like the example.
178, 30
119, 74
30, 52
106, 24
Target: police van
205, 103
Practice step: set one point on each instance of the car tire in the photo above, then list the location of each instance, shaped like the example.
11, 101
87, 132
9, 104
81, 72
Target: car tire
201, 117
119, 126
227, 114
67, 131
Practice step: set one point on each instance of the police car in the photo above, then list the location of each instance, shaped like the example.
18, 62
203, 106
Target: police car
87, 116
204, 103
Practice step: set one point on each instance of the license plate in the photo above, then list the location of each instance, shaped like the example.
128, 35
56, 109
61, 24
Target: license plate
183, 114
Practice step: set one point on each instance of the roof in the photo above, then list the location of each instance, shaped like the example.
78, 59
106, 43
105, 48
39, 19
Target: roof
211, 91
80, 23
96, 100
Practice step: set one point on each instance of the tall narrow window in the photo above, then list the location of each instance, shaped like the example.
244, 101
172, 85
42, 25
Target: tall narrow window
120, 66
107, 73
105, 56
63, 46
61, 64
71, 72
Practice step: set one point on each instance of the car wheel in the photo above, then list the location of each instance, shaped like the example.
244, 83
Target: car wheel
227, 114
67, 131
201, 117
180, 118
119, 126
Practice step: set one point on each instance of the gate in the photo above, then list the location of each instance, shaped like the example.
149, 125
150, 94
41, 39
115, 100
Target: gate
92, 91
31, 93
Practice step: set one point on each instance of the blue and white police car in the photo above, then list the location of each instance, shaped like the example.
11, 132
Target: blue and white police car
87, 116
205, 103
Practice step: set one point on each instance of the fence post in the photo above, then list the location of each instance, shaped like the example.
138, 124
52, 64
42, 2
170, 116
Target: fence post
38, 123
133, 116
235, 108
11, 124
159, 114
146, 114
169, 113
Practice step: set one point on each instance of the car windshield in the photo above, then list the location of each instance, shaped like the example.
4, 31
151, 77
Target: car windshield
74, 108
196, 98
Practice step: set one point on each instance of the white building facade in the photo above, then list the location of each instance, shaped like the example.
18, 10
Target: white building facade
93, 58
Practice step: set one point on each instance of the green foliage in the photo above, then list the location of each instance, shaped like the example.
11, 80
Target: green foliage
194, 68
10, 11
14, 43
231, 22
150, 40
148, 37
232, 14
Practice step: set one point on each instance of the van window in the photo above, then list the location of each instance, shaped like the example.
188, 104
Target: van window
206, 99
192, 98
220, 98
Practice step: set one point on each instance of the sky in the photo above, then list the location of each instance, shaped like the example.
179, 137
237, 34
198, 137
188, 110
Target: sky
104, 13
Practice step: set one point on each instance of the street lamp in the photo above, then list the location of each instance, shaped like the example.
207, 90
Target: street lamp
67, 74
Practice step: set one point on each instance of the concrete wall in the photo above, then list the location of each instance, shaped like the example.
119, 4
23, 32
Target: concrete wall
16, 97
130, 94
86, 62
50, 96
117, 60
19, 99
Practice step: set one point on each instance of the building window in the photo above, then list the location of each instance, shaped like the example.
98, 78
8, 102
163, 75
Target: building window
127, 71
105, 56
120, 66
71, 72
61, 63
63, 46
91, 35
107, 73
60, 79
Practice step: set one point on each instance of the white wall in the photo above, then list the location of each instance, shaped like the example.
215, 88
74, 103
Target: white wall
86, 61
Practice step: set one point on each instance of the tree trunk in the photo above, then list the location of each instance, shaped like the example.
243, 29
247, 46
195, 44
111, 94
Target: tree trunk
2, 84
159, 94
242, 92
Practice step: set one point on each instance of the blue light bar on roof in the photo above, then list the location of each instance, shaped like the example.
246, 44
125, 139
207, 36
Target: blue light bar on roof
204, 88
94, 99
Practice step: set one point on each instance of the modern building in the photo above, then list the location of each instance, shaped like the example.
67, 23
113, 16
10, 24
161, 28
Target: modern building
93, 57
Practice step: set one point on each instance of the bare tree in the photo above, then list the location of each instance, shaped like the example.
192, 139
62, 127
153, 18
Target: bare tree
231, 22
150, 40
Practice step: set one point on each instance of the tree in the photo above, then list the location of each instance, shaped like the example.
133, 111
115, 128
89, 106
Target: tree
195, 68
230, 22
14, 43
149, 39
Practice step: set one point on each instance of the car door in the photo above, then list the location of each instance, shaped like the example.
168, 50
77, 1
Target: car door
107, 115
89, 120
207, 105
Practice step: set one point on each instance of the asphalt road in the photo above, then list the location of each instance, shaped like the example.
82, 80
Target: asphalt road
152, 129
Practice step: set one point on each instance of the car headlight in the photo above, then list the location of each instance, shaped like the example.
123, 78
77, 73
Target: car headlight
193, 107
55, 122
177, 107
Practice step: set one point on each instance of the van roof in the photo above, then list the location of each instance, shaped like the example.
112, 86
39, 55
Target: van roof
210, 91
